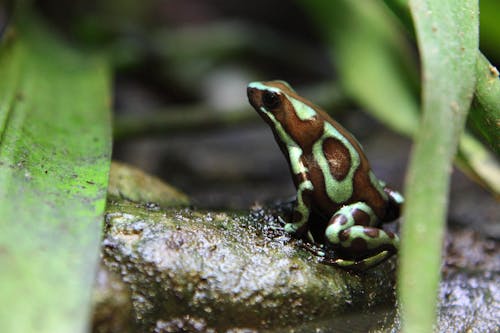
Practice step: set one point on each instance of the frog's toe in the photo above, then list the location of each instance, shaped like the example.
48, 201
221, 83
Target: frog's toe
363, 264
291, 228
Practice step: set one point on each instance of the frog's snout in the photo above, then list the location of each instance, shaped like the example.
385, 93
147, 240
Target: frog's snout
253, 96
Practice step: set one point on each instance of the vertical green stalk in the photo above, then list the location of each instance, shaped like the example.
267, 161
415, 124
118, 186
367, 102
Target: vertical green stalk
447, 34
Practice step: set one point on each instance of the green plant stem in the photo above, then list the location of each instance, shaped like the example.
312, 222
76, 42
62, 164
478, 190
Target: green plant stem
485, 112
447, 35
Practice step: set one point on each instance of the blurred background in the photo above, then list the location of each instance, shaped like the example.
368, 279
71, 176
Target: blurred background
180, 65
180, 71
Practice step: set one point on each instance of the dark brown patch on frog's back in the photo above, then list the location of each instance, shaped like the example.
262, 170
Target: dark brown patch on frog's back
322, 202
338, 158
363, 189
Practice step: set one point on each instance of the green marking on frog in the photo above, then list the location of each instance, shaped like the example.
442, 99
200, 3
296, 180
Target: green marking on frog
398, 197
303, 111
378, 184
286, 85
332, 231
300, 207
338, 191
298, 167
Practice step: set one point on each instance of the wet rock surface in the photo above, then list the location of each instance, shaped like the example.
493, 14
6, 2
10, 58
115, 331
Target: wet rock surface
206, 271
181, 270
185, 270
470, 302
470, 294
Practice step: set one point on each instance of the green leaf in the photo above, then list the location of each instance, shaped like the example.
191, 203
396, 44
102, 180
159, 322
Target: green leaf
475, 160
55, 146
485, 111
372, 58
376, 70
447, 34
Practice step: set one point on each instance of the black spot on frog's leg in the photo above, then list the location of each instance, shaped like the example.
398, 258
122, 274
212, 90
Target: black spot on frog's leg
344, 235
342, 220
361, 217
358, 245
372, 232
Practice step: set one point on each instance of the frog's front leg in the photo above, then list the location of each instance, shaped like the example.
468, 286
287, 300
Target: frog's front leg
353, 231
305, 188
302, 210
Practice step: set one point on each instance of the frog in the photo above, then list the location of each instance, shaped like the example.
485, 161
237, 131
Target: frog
340, 203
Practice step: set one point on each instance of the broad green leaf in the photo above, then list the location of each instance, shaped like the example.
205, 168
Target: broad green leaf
54, 162
485, 111
447, 35
372, 59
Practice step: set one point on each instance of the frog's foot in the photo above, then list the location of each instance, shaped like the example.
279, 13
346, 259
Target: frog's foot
352, 229
362, 264
290, 228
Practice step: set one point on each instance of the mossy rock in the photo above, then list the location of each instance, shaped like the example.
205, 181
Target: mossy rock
204, 271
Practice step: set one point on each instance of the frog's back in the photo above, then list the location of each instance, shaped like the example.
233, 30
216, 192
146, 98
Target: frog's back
343, 171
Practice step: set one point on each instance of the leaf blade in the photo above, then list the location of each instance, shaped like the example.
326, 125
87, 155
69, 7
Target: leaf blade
54, 163
447, 34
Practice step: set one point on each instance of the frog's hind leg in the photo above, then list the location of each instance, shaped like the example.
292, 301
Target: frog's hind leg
353, 230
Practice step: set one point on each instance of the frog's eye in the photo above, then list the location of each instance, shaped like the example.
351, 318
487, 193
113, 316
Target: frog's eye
270, 100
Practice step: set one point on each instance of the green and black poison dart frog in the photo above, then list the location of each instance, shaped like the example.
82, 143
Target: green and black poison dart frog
333, 179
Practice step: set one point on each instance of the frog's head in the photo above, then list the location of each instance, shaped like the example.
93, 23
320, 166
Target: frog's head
270, 99
287, 113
